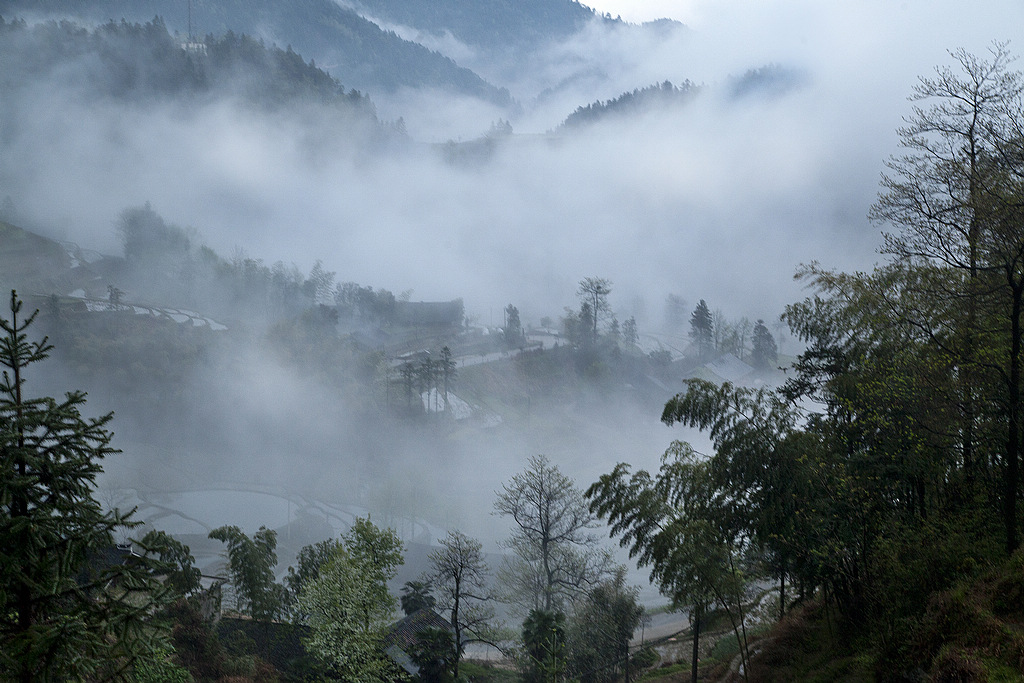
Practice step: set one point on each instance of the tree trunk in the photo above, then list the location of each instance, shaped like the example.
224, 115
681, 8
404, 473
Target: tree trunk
782, 592
1013, 433
698, 610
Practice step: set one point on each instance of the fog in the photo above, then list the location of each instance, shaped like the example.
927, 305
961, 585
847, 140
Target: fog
720, 199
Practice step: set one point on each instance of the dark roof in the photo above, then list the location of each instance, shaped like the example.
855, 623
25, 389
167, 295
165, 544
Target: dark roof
401, 636
403, 633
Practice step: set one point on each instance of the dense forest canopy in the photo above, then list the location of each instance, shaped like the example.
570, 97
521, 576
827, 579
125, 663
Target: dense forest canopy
138, 62
360, 53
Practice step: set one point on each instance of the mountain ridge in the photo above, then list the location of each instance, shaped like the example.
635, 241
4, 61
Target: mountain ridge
358, 52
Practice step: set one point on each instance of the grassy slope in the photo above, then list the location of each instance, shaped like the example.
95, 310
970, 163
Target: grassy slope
973, 632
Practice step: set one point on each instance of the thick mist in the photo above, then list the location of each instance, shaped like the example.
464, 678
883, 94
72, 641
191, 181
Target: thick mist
719, 199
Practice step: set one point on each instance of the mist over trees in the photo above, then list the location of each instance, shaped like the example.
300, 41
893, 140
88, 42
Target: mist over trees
867, 484
633, 103
881, 472
554, 552
68, 611
324, 30
135, 63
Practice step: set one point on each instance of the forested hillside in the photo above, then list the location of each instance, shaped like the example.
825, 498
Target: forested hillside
138, 63
356, 51
883, 478
511, 349
491, 24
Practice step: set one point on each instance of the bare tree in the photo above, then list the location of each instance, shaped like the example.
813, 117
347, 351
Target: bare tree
554, 554
459, 576
595, 291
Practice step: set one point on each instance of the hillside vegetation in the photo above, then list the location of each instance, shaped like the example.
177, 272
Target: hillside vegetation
358, 52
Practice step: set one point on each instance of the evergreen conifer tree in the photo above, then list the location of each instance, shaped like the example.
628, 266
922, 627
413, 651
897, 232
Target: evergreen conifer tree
73, 607
764, 353
702, 329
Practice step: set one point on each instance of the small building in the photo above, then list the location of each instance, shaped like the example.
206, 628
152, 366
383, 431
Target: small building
401, 637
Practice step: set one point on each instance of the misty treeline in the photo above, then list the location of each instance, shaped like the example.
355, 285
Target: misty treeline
142, 62
768, 81
334, 33
78, 605
509, 24
166, 264
886, 469
632, 103
596, 335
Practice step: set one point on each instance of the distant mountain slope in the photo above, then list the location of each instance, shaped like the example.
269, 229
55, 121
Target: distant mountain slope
632, 102
136, 62
766, 82
355, 50
484, 23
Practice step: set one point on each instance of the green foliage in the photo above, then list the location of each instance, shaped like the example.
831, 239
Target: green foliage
600, 630
178, 571
513, 330
764, 353
544, 641
632, 103
251, 562
416, 596
702, 329
349, 605
436, 655
311, 560
160, 668
137, 61
330, 33
73, 606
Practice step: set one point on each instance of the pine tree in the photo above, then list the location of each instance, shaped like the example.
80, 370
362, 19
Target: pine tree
702, 328
764, 353
69, 610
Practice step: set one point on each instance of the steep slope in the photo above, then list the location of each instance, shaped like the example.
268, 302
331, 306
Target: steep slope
358, 52
140, 62
485, 23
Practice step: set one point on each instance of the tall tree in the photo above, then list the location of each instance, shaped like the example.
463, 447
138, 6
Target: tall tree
676, 524
65, 612
449, 373
595, 291
251, 562
544, 641
311, 559
513, 329
460, 575
349, 605
629, 333
764, 352
554, 553
600, 630
407, 371
702, 329
177, 568
955, 198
